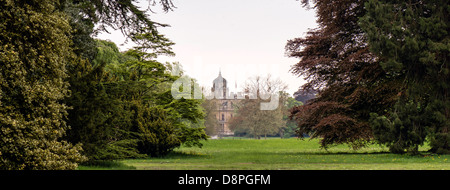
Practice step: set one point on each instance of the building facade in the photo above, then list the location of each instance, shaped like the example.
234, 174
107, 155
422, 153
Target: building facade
225, 101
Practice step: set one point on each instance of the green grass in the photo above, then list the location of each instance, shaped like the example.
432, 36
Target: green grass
285, 154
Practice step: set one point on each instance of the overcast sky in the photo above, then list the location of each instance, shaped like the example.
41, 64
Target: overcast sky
242, 38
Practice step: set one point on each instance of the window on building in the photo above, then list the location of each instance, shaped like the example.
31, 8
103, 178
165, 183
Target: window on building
223, 117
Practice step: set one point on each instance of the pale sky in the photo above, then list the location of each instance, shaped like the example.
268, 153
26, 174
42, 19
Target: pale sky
242, 38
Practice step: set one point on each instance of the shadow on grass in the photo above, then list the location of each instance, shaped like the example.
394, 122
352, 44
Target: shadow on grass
105, 165
185, 155
349, 153
344, 153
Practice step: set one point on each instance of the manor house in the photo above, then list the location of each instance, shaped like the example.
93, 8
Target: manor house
225, 101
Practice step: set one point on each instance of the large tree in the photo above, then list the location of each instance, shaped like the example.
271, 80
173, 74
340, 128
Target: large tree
411, 40
35, 48
336, 61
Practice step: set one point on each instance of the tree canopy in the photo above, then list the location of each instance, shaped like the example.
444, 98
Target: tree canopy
250, 116
411, 41
336, 62
381, 70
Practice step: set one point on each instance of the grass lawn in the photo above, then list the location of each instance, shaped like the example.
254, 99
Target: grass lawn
283, 154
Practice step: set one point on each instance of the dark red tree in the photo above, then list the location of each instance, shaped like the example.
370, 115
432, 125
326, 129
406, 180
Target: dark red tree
336, 61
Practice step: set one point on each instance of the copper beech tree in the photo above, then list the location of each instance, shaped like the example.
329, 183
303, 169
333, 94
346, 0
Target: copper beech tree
336, 61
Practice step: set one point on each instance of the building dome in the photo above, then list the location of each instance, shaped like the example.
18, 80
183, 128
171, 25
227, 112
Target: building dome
220, 86
220, 82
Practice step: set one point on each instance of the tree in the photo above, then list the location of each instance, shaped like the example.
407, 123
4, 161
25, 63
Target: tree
187, 114
250, 117
122, 15
211, 123
35, 47
336, 61
411, 41
158, 136
83, 43
100, 119
291, 125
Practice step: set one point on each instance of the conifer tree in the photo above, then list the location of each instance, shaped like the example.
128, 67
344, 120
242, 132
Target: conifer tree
158, 135
411, 39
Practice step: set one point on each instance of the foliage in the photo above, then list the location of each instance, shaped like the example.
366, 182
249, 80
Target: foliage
122, 15
336, 62
398, 131
82, 44
291, 125
188, 116
211, 123
35, 46
158, 135
251, 118
96, 113
411, 40
381, 68
125, 89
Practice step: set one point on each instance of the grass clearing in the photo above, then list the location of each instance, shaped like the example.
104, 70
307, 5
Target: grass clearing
285, 154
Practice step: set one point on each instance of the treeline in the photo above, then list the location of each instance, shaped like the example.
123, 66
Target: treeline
66, 98
382, 72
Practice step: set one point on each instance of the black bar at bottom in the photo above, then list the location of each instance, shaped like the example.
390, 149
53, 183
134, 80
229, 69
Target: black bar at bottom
213, 179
